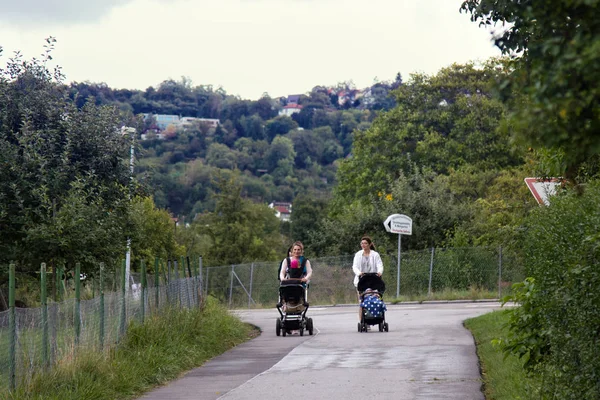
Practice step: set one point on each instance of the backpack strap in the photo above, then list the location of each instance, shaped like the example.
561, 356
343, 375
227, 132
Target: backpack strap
303, 265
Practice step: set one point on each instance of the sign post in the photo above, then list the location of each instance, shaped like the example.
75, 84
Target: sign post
402, 225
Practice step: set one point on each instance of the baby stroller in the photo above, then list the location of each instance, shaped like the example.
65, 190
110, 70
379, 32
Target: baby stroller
292, 308
371, 288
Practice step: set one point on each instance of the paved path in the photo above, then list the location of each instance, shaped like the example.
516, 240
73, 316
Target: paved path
427, 354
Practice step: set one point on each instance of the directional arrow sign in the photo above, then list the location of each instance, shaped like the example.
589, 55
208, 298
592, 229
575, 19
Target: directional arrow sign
398, 223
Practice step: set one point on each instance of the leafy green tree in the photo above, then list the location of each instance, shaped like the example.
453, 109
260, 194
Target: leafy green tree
154, 233
281, 154
221, 156
307, 144
307, 213
556, 52
279, 126
253, 127
441, 122
239, 230
64, 171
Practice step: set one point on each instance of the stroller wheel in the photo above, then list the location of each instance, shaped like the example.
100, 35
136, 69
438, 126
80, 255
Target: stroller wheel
278, 327
309, 326
386, 326
284, 332
359, 327
381, 327
301, 331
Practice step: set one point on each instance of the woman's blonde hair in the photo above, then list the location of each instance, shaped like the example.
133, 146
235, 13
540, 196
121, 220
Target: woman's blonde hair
299, 244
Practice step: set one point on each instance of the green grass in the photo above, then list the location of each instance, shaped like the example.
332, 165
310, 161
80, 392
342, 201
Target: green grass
504, 378
150, 355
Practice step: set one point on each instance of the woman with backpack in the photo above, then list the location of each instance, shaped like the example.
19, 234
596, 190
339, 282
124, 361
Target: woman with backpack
296, 266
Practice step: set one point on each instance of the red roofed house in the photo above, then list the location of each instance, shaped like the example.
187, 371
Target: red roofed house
283, 211
290, 109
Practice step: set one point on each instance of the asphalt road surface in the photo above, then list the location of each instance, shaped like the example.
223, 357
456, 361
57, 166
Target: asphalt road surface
427, 354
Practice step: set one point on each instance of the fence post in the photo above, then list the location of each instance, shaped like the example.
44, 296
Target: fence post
77, 302
500, 274
430, 271
206, 290
200, 286
191, 281
12, 327
186, 280
250, 291
231, 285
101, 310
156, 283
60, 283
166, 278
144, 285
123, 302
170, 283
44, 317
177, 289
194, 282
54, 311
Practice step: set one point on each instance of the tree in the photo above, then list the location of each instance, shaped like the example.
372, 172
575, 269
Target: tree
279, 126
442, 122
555, 47
239, 230
154, 233
280, 152
308, 212
64, 171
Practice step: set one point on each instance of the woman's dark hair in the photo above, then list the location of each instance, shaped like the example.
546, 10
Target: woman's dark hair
369, 240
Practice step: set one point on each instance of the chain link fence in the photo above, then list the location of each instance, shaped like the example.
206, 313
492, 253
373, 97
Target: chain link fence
95, 315
35, 339
438, 273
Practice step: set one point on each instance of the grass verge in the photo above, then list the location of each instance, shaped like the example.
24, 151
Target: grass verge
503, 377
150, 355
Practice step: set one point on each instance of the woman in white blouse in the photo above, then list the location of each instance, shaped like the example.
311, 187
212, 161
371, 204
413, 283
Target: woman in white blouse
366, 260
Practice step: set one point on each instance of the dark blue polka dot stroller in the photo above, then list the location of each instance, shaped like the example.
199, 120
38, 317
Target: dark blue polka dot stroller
371, 289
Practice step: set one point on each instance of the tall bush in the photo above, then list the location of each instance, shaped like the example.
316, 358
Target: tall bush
557, 327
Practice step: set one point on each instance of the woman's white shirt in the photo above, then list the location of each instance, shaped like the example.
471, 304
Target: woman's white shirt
366, 264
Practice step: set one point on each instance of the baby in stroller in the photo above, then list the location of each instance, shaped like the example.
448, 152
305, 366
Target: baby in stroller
371, 288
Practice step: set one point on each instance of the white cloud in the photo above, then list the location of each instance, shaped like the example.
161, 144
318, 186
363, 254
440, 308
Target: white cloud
255, 46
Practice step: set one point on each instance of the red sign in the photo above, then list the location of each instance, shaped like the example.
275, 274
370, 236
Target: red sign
542, 188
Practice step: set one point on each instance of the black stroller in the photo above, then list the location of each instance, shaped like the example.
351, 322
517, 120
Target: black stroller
377, 288
292, 308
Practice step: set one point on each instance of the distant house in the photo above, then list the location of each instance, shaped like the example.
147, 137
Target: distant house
186, 122
293, 98
283, 211
290, 109
164, 120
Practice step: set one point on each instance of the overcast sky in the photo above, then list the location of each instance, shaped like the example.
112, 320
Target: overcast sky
246, 46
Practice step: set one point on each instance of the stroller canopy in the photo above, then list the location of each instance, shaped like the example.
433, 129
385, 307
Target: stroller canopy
371, 281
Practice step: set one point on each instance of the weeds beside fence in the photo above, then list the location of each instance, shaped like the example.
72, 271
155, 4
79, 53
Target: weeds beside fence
35, 339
